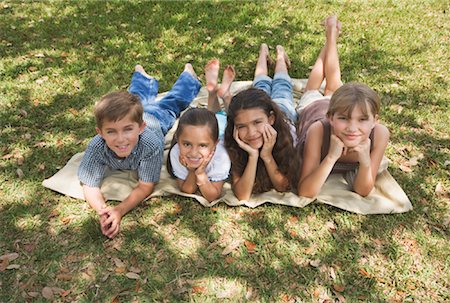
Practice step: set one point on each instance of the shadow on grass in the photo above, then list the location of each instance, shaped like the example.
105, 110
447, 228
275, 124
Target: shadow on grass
109, 44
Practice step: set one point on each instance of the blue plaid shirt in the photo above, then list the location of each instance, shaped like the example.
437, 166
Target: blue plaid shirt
146, 157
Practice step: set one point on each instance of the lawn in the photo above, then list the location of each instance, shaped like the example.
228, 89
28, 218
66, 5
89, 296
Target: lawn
58, 57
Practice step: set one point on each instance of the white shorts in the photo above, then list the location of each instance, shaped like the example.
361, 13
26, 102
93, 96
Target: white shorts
309, 97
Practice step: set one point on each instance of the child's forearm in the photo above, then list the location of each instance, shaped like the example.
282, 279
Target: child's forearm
244, 186
94, 197
280, 181
211, 191
137, 195
311, 184
364, 181
190, 184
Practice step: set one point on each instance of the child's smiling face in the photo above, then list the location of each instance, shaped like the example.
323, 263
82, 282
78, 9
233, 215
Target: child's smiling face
250, 124
196, 144
122, 135
354, 128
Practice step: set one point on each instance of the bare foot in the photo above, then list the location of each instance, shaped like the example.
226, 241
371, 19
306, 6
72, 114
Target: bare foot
140, 69
264, 51
281, 54
228, 77
188, 68
332, 26
212, 74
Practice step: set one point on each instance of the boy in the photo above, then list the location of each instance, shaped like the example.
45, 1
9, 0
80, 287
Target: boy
131, 127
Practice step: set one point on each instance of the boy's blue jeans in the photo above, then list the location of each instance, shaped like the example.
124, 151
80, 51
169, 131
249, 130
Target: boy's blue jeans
168, 109
280, 90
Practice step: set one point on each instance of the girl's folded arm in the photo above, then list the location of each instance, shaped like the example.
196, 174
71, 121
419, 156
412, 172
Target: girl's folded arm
313, 172
243, 185
366, 176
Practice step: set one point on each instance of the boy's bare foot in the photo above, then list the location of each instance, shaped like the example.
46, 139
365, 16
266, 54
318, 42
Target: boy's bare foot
281, 55
228, 77
140, 69
212, 74
188, 68
264, 51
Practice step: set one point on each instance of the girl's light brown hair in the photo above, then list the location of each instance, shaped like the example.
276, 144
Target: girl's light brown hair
115, 106
349, 95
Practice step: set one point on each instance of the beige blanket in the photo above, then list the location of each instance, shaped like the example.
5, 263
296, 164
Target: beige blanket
386, 197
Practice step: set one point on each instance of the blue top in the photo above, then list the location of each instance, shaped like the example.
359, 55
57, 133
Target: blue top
146, 157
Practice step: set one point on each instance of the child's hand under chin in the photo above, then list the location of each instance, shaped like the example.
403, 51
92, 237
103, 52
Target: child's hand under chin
205, 162
337, 148
363, 151
270, 138
251, 151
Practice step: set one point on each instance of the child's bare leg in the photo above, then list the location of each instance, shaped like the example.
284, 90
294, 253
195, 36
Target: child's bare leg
224, 91
211, 75
261, 65
317, 74
332, 68
139, 68
282, 62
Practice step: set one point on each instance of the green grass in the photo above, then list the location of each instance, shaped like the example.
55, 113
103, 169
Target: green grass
58, 57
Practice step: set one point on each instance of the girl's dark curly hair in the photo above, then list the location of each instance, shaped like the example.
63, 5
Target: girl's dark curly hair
283, 151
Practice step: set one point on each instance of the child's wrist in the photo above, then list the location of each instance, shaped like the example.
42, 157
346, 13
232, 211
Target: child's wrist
202, 179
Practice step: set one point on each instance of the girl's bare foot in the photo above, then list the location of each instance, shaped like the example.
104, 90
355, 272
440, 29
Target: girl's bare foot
188, 68
212, 74
140, 69
332, 26
228, 77
264, 51
281, 55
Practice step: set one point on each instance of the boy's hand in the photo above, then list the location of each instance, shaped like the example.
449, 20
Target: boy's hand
251, 151
363, 151
270, 138
111, 225
337, 148
103, 226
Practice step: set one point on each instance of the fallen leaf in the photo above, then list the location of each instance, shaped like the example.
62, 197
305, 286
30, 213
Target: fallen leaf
198, 289
47, 293
177, 209
23, 112
13, 266
132, 275
315, 263
73, 111
331, 226
293, 233
33, 294
293, 219
118, 262
364, 273
338, 287
120, 270
332, 273
229, 259
20, 160
9, 257
53, 213
316, 293
20, 173
340, 297
65, 293
135, 269
439, 189
39, 55
405, 168
64, 277
250, 246
230, 247
4, 263
66, 220
57, 290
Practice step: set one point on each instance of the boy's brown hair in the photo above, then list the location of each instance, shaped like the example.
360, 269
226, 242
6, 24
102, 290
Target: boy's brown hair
350, 95
115, 106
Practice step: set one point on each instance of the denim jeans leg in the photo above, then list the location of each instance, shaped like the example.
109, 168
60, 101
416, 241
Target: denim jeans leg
263, 82
282, 95
169, 108
145, 88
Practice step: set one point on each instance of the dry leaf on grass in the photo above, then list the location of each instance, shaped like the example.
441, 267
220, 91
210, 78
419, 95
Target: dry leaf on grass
47, 293
132, 275
314, 263
230, 247
250, 246
198, 289
13, 266
9, 257
338, 287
